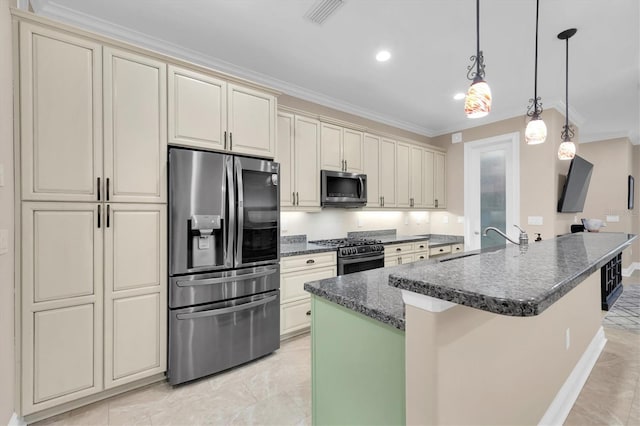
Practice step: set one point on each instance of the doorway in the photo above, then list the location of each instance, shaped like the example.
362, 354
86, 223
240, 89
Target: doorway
491, 190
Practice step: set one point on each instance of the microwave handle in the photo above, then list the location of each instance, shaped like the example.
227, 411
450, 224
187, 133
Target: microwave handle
361, 187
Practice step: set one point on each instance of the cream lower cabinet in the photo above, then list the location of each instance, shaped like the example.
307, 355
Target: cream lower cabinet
295, 302
80, 337
299, 157
446, 249
403, 253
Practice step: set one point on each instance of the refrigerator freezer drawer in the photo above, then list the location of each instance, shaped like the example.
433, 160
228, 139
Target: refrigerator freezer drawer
191, 290
207, 339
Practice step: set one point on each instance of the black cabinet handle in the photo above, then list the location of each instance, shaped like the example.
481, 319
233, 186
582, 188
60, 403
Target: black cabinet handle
308, 313
230, 141
108, 214
310, 261
99, 211
441, 250
225, 140
98, 189
107, 189
398, 249
421, 246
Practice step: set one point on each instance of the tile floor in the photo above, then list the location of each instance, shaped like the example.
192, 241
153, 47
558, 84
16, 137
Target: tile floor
276, 390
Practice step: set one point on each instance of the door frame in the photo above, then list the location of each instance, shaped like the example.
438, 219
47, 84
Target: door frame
512, 140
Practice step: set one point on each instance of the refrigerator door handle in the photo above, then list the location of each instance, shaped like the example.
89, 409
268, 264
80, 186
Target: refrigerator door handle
231, 222
227, 279
229, 310
240, 212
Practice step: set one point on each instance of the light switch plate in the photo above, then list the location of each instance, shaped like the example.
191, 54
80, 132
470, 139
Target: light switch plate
535, 220
4, 241
445, 219
460, 219
613, 218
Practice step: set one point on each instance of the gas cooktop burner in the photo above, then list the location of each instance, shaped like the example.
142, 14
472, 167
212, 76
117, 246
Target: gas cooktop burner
353, 247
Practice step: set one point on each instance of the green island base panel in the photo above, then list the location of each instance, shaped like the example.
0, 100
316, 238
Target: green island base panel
358, 368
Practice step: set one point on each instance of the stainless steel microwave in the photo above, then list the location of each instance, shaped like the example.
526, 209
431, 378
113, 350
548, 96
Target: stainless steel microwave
342, 189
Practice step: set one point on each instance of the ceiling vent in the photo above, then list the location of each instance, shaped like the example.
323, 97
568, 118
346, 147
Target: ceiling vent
322, 9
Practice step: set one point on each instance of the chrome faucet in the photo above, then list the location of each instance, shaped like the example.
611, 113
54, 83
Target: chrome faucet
523, 241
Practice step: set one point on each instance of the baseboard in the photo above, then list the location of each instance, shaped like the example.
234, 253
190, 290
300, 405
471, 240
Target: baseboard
16, 421
626, 272
568, 394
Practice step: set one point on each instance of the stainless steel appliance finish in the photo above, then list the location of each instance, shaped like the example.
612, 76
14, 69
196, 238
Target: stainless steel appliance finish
355, 255
224, 250
342, 189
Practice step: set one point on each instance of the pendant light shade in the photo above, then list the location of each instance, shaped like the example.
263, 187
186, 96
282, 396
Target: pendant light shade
478, 101
567, 149
536, 131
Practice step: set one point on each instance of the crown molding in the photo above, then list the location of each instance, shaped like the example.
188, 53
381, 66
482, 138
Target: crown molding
605, 136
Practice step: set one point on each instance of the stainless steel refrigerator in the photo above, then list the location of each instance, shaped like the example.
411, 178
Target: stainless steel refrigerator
224, 252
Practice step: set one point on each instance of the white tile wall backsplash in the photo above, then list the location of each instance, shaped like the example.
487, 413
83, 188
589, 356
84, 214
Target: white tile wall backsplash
335, 223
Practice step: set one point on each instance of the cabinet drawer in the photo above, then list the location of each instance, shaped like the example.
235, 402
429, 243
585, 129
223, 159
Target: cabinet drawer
457, 248
398, 248
420, 256
435, 251
398, 259
421, 246
295, 316
292, 283
315, 260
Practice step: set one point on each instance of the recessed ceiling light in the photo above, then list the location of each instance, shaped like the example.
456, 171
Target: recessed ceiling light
459, 96
383, 56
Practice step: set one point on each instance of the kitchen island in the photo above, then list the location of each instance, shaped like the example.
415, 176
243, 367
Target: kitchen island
507, 337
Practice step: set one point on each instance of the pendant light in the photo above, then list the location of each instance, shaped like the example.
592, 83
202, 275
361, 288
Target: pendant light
536, 131
478, 101
567, 148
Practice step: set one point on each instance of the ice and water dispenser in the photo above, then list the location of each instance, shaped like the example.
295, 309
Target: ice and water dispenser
206, 241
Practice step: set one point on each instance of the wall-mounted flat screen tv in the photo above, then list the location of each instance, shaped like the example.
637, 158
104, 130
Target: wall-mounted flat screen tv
575, 187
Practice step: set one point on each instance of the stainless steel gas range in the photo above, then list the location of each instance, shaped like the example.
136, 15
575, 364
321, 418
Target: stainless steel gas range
356, 254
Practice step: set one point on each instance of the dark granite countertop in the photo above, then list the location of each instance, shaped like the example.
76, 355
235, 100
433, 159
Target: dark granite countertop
389, 236
367, 292
513, 281
295, 245
436, 240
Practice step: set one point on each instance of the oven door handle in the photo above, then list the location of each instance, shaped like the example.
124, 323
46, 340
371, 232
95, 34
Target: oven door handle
360, 259
232, 309
220, 280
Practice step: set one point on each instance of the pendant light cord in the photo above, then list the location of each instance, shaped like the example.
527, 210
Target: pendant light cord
477, 37
567, 89
535, 79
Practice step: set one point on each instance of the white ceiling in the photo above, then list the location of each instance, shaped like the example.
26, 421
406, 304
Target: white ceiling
270, 42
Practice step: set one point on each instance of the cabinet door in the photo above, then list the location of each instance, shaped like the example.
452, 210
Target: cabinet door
135, 292
415, 176
428, 182
371, 167
307, 162
251, 121
402, 173
331, 147
295, 316
440, 175
61, 303
285, 157
292, 283
135, 121
60, 115
352, 150
388, 172
197, 109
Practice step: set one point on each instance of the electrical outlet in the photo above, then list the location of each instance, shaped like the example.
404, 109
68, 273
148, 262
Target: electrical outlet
460, 219
406, 219
567, 339
283, 225
4, 241
535, 220
359, 222
445, 219
613, 218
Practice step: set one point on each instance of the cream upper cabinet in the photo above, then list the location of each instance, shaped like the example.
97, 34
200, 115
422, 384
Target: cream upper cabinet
353, 150
341, 149
135, 127
197, 109
417, 169
299, 158
60, 115
331, 147
307, 161
286, 128
388, 172
427, 176
251, 121
62, 303
371, 167
135, 273
440, 173
403, 164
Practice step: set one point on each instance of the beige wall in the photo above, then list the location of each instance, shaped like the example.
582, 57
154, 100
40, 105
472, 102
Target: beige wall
6, 217
539, 176
635, 221
612, 164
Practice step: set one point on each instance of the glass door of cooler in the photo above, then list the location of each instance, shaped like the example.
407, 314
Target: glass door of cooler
258, 195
